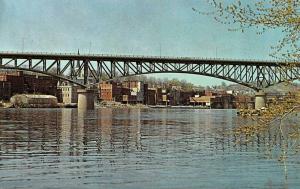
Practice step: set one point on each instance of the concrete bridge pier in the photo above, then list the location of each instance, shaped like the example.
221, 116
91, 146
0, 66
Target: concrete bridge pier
86, 99
260, 99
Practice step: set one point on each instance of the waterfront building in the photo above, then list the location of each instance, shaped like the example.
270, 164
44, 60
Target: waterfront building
137, 91
34, 101
174, 96
223, 101
133, 92
68, 93
110, 91
17, 83
36, 84
244, 102
185, 97
5, 90
205, 101
15, 80
151, 96
162, 96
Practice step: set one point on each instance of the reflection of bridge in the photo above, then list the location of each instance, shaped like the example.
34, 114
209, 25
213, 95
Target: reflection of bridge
253, 74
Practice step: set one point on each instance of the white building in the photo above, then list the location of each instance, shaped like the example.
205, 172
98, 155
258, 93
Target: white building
68, 93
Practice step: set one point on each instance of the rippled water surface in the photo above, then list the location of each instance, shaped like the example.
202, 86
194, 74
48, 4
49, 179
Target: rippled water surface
134, 148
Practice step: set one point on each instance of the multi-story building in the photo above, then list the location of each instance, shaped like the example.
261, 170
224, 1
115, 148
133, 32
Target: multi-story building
244, 102
131, 92
174, 96
15, 80
151, 96
18, 83
40, 84
68, 92
224, 101
5, 90
137, 89
162, 96
110, 92
206, 101
185, 97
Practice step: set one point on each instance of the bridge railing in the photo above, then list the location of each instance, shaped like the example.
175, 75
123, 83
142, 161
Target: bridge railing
134, 56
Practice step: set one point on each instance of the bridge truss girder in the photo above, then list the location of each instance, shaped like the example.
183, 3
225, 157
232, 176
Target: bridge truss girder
256, 75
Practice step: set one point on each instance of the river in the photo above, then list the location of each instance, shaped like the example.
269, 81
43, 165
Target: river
135, 148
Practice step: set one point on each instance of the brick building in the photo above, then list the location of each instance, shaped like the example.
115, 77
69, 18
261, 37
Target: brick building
151, 96
131, 92
40, 84
185, 97
162, 96
5, 90
110, 92
224, 101
244, 102
15, 80
17, 83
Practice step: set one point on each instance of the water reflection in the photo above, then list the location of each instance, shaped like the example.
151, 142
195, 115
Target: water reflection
134, 148
75, 133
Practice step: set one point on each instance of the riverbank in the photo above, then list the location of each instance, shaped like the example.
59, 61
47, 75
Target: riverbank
107, 104
110, 104
179, 107
251, 112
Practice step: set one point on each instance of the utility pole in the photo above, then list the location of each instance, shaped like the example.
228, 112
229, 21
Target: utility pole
160, 50
23, 44
90, 46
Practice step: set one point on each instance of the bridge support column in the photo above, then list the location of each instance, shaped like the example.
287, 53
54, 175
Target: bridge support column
86, 99
260, 99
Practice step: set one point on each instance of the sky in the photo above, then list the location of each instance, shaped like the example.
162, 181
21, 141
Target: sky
128, 27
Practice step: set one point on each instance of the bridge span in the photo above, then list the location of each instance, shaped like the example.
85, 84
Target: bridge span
251, 73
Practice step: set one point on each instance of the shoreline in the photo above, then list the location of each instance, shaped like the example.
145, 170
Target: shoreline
6, 105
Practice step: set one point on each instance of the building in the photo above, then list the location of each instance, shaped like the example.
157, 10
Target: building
68, 93
35, 84
174, 96
206, 101
151, 96
224, 101
162, 96
5, 90
210, 93
185, 97
137, 91
15, 80
244, 102
34, 101
110, 91
17, 83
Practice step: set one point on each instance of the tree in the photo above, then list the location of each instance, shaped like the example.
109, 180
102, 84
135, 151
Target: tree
267, 15
281, 15
223, 85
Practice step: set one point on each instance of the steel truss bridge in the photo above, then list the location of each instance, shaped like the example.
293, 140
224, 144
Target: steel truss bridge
254, 74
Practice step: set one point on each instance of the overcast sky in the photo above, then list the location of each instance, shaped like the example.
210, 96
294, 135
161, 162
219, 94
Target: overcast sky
135, 27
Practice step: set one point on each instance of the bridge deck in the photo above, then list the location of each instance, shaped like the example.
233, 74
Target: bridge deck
129, 58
